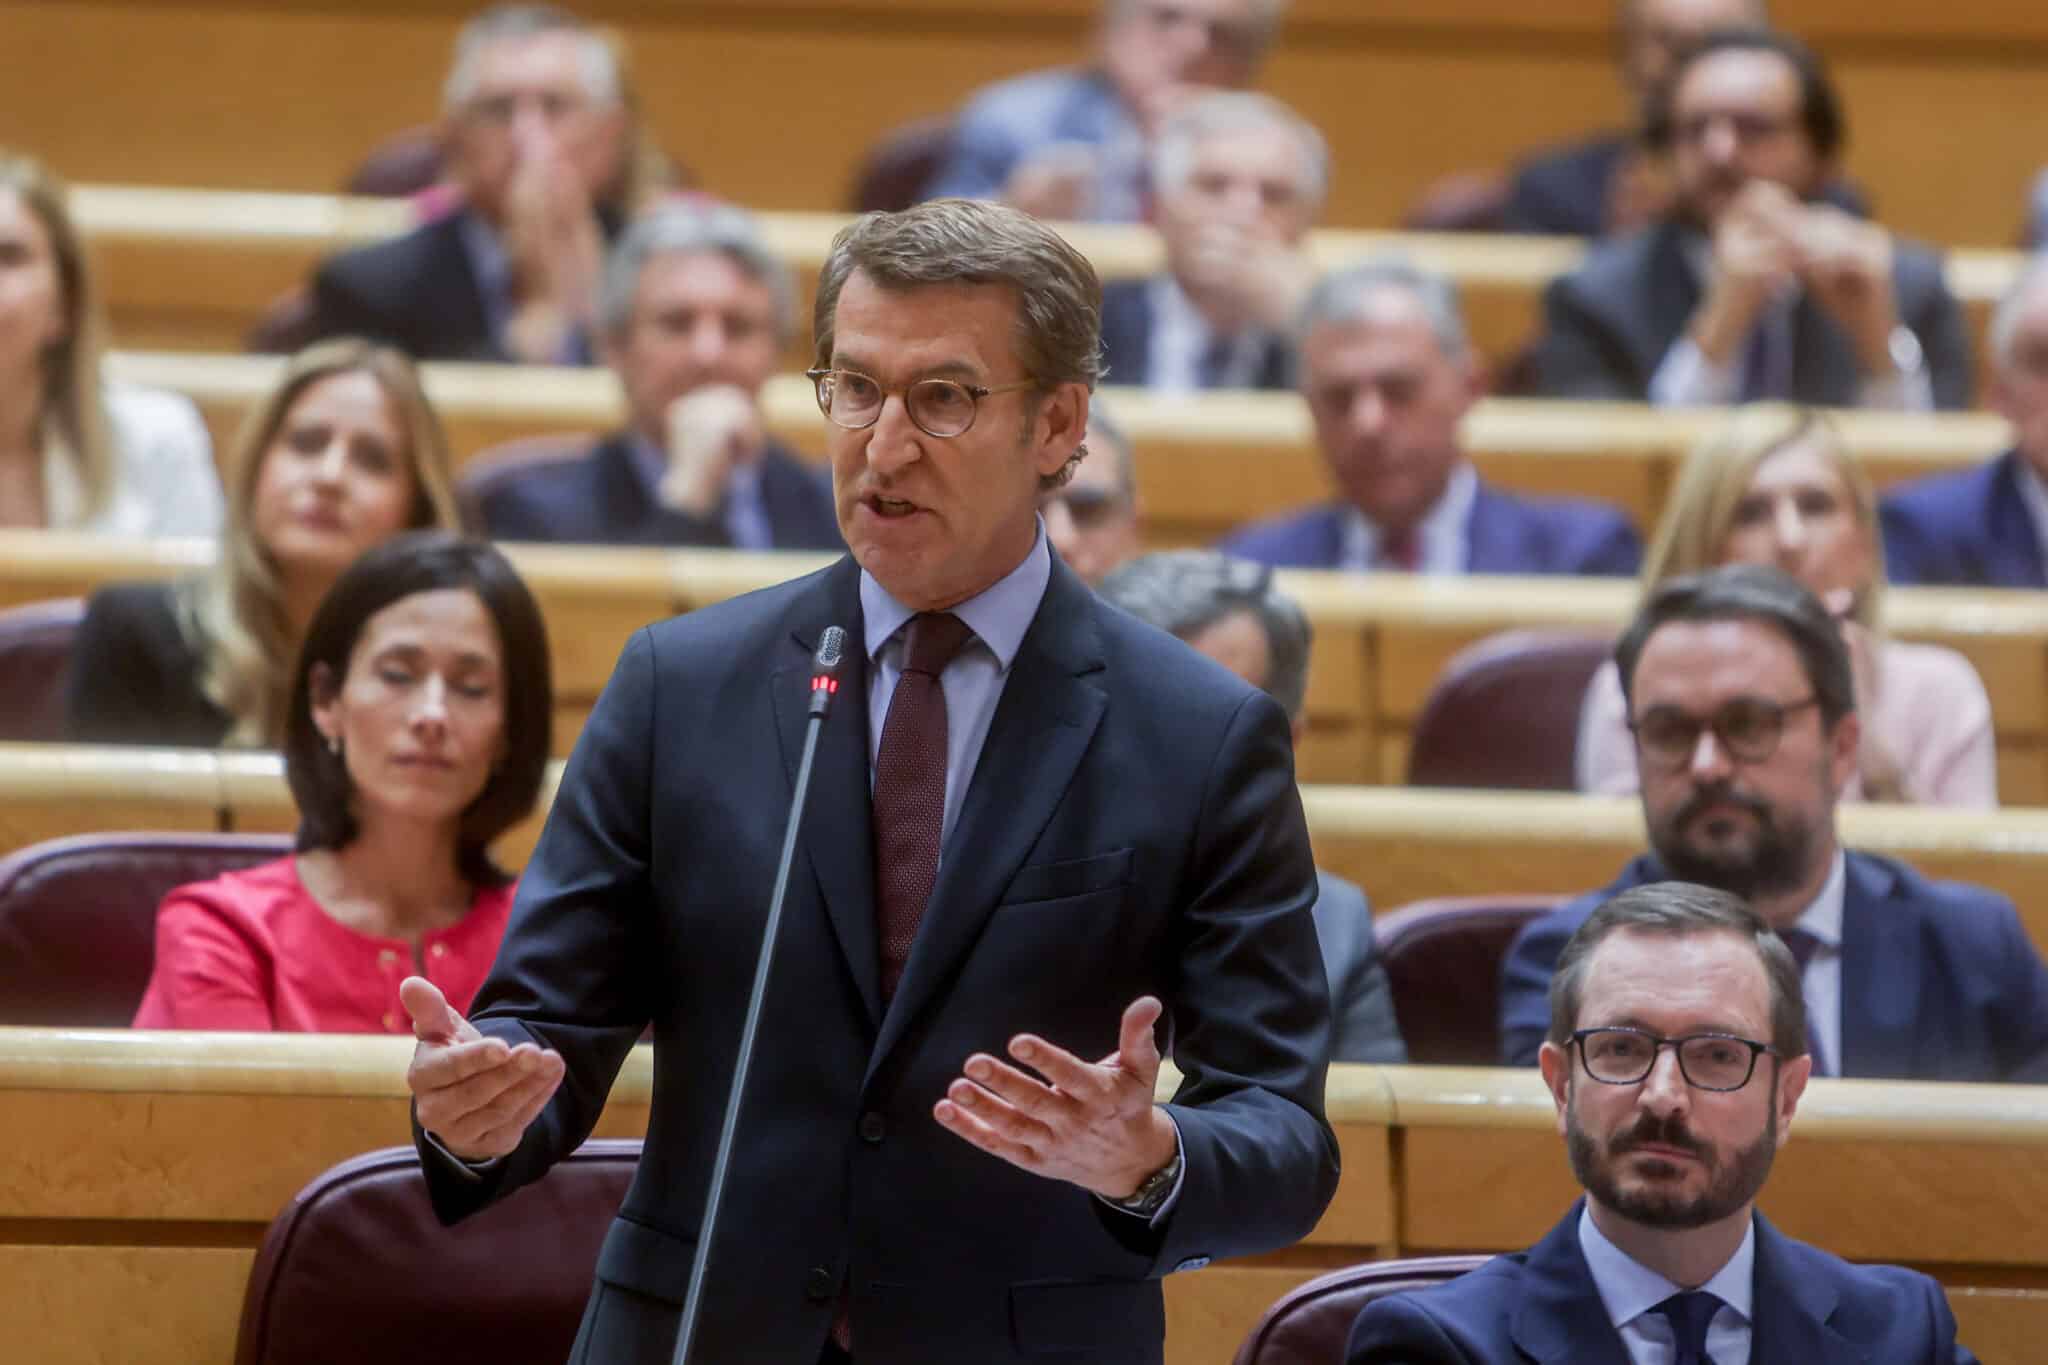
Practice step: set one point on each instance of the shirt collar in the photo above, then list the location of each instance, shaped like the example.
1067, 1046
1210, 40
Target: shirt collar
1175, 309
1823, 917
1629, 1289
999, 615
1442, 525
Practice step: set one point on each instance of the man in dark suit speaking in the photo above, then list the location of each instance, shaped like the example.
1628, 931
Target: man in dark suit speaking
1676, 1053
1039, 829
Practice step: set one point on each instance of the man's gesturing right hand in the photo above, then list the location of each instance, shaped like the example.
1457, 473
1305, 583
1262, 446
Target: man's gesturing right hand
475, 1094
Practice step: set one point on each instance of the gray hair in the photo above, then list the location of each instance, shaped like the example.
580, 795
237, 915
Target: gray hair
689, 230
2005, 318
972, 242
602, 79
1342, 297
1266, 15
1234, 111
1676, 908
1184, 592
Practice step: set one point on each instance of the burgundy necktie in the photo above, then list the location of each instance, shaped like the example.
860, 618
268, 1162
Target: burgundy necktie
910, 788
1402, 550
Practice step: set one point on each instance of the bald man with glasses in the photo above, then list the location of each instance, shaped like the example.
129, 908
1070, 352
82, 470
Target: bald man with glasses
1742, 705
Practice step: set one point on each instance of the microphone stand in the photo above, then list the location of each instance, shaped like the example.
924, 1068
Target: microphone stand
824, 685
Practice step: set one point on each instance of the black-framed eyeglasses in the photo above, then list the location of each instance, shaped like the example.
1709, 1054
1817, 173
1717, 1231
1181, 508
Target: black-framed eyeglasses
1749, 728
939, 407
1708, 1061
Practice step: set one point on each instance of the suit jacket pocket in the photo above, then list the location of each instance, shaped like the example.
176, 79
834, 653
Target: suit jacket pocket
646, 1259
1123, 1320
1070, 877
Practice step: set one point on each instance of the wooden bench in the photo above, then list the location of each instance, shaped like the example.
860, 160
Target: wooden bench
1205, 464
194, 269
144, 1168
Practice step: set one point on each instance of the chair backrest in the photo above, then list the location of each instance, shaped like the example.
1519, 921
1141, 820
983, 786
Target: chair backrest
405, 163
1469, 201
492, 467
358, 1268
896, 169
288, 325
1505, 713
1442, 959
1310, 1323
78, 918
35, 648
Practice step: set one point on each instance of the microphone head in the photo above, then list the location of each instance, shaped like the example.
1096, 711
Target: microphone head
831, 650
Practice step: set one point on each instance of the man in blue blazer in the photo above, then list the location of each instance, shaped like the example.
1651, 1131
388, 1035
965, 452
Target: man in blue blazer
1388, 373
1739, 693
1240, 178
695, 313
1986, 527
951, 1149
1676, 1055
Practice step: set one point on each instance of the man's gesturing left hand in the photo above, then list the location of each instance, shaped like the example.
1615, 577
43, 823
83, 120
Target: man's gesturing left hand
1090, 1123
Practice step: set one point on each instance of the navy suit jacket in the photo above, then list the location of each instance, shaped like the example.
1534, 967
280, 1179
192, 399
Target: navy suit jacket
418, 292
1127, 340
1507, 534
1608, 325
1966, 529
1059, 900
1542, 1305
604, 497
1939, 980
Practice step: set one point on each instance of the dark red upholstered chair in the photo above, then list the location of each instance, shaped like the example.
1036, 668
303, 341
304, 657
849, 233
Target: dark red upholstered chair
1505, 713
1442, 959
287, 326
404, 163
484, 472
1470, 201
1310, 1324
356, 1268
35, 647
78, 918
898, 167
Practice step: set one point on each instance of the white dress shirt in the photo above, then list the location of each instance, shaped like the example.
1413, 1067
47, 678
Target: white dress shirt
1631, 1291
1181, 336
1442, 537
1822, 980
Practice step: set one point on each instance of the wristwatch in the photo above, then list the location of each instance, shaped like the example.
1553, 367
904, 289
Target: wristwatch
1150, 1196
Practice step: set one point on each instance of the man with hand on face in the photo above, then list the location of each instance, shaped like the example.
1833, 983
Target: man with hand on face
1750, 288
695, 312
1987, 527
1676, 1053
1074, 143
1239, 178
1741, 698
951, 1149
1388, 374
536, 132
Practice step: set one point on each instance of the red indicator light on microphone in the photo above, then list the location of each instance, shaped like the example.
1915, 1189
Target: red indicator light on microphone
826, 681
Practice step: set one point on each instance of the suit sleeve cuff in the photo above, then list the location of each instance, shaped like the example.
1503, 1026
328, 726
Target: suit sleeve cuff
1686, 378
462, 1166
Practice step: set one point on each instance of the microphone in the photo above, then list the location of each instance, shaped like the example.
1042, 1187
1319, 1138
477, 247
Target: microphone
826, 663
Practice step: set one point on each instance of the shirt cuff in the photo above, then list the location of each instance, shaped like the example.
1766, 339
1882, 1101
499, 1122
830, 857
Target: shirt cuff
1897, 391
1686, 378
1172, 1196
469, 1170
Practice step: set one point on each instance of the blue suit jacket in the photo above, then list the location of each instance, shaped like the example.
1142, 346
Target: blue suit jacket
1939, 981
1542, 1305
1127, 340
605, 498
1004, 124
1060, 900
1966, 529
1507, 534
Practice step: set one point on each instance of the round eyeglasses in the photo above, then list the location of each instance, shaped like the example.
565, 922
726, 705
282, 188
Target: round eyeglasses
944, 408
1708, 1061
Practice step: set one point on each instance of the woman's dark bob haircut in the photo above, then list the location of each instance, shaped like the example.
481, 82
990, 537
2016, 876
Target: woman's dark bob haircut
425, 561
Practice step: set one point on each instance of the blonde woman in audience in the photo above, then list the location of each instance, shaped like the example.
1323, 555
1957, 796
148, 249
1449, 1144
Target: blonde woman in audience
344, 454
1775, 485
78, 453
419, 730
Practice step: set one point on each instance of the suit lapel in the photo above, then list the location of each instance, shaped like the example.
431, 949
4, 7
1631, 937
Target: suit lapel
837, 838
1492, 539
2012, 542
1793, 1298
1673, 294
455, 298
1043, 722
626, 501
1561, 1318
1880, 975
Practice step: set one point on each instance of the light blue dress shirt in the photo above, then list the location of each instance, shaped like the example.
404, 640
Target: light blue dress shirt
1631, 1291
746, 512
493, 270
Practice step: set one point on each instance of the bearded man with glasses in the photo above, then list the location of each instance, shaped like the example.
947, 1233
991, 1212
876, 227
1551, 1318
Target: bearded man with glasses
1742, 703
1676, 1053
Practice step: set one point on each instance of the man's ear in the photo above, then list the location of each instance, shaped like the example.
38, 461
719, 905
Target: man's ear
1556, 1064
1062, 426
1792, 1078
1845, 746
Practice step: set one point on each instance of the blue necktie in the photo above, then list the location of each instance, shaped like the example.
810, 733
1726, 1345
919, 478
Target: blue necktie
1689, 1314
